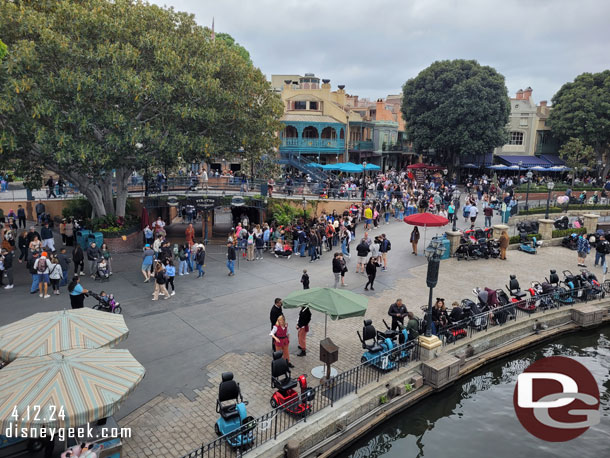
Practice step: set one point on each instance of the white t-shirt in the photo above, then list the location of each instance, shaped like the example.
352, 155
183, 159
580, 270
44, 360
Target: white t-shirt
474, 211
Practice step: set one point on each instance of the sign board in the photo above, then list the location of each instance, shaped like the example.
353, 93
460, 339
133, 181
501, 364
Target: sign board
238, 201
204, 203
172, 201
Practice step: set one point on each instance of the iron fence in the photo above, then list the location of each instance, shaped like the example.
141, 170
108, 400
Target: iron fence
267, 427
534, 305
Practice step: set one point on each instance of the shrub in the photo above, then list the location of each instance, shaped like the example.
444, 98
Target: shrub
79, 208
563, 232
284, 214
555, 209
114, 226
408, 387
517, 238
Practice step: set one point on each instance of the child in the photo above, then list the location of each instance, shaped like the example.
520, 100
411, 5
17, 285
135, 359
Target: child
305, 279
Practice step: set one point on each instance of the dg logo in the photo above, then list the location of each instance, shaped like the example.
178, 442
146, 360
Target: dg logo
557, 399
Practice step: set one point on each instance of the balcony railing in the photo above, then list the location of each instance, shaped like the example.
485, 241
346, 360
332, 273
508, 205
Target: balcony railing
313, 143
366, 145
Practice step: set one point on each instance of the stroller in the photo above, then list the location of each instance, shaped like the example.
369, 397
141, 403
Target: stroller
570, 241
106, 302
102, 272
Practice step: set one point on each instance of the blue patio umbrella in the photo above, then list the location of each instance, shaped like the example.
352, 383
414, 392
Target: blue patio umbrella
498, 167
350, 167
315, 165
470, 166
331, 167
372, 167
539, 168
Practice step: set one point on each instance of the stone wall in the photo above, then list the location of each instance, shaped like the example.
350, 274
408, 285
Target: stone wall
132, 242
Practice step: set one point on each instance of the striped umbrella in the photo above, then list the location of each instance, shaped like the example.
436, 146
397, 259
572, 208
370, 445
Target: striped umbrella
50, 332
66, 389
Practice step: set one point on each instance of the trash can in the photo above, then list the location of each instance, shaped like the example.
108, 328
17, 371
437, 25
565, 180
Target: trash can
96, 237
82, 238
264, 189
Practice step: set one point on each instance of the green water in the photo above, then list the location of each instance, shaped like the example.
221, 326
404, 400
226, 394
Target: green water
475, 418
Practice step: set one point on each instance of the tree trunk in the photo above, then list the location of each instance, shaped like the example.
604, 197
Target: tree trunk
122, 182
94, 195
106, 187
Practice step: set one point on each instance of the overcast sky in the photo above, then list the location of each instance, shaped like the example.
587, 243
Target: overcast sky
374, 46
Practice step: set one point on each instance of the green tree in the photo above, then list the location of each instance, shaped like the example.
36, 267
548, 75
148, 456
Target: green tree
94, 90
581, 109
456, 107
3, 50
577, 155
230, 41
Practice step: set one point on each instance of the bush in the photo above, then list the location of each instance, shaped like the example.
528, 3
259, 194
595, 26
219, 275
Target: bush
558, 187
563, 232
114, 226
79, 208
517, 238
555, 209
284, 214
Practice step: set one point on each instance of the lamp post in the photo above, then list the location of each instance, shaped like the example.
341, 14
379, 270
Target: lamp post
550, 185
456, 204
520, 163
529, 176
433, 253
304, 203
599, 168
364, 188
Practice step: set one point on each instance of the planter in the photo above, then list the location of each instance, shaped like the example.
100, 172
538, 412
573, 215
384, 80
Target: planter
125, 244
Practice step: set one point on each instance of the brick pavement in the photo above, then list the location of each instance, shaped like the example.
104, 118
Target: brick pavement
174, 425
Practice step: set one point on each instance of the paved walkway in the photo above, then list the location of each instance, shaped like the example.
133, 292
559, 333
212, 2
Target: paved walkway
220, 323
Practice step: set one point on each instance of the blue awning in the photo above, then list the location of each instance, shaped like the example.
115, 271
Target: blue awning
479, 160
526, 161
553, 159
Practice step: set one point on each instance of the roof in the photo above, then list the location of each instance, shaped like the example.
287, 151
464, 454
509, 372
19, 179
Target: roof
527, 161
553, 159
289, 117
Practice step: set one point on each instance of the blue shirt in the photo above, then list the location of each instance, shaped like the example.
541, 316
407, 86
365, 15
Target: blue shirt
583, 245
170, 271
78, 289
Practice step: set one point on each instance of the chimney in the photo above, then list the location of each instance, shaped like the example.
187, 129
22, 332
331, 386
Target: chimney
520, 94
543, 103
527, 93
379, 106
287, 84
326, 84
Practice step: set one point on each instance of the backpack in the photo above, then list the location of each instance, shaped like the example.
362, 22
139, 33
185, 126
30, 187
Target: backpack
388, 245
42, 265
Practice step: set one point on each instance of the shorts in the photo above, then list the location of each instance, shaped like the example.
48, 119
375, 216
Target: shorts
146, 266
473, 219
582, 254
43, 278
361, 259
369, 221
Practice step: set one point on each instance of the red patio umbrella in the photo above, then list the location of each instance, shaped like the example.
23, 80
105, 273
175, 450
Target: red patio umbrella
426, 220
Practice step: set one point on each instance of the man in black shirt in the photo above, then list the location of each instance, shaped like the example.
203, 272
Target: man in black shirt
276, 312
231, 257
303, 329
398, 312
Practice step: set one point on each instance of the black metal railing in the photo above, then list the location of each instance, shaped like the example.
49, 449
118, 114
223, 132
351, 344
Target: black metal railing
268, 426
533, 305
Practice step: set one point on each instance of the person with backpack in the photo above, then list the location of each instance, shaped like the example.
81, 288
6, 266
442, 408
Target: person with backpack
200, 259
41, 266
583, 248
384, 247
7, 261
55, 274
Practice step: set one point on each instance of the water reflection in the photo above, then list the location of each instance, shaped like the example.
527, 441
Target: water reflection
476, 416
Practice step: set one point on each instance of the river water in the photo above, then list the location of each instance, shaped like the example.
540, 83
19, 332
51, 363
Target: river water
475, 418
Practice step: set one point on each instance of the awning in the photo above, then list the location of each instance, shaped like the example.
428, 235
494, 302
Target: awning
553, 159
479, 160
526, 161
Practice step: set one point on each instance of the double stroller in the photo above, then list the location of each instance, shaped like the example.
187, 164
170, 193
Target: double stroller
106, 302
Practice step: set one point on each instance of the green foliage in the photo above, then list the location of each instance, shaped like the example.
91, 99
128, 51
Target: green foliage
563, 232
284, 214
581, 109
383, 399
79, 208
555, 209
230, 41
94, 86
408, 387
517, 238
3, 50
576, 154
457, 107
113, 226
558, 187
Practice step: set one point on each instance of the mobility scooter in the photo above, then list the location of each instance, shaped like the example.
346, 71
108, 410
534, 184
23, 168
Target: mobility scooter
526, 245
519, 296
377, 348
399, 338
233, 415
285, 396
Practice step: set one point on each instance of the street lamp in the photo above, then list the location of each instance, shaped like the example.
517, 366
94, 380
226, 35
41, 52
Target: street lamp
550, 185
304, 203
363, 180
599, 167
519, 173
433, 253
529, 176
456, 204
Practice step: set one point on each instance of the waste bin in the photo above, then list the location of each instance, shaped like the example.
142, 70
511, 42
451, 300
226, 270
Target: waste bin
82, 238
96, 237
264, 189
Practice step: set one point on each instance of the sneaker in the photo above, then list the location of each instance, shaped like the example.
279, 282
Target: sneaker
372, 289
154, 299
231, 274
146, 280
181, 274
366, 289
289, 256
173, 293
8, 286
40, 295
344, 284
46, 296
166, 297
276, 256
82, 273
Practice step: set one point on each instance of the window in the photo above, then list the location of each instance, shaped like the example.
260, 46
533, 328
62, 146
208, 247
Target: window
313, 105
300, 105
516, 138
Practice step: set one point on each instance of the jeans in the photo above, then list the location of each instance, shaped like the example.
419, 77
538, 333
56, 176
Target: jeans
190, 264
313, 253
344, 248
387, 217
35, 282
302, 250
488, 221
296, 246
231, 265
64, 278
183, 268
600, 258
200, 270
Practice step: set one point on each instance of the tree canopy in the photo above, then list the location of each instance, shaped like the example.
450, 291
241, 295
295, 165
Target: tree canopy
456, 107
230, 41
94, 89
581, 109
577, 155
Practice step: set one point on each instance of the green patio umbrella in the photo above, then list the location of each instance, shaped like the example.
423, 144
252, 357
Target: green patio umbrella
336, 303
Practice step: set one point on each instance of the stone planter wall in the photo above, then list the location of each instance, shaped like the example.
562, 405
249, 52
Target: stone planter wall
133, 242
